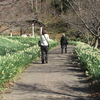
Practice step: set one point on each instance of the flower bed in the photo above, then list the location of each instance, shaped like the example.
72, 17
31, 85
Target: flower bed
12, 63
90, 59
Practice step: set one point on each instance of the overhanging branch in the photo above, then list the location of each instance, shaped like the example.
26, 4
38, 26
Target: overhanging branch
86, 26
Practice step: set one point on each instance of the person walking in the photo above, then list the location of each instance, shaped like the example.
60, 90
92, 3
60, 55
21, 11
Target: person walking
63, 43
44, 46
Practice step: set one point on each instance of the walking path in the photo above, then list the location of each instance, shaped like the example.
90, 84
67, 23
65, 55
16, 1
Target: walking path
60, 79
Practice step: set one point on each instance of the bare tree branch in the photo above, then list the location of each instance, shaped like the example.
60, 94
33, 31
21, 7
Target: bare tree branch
81, 19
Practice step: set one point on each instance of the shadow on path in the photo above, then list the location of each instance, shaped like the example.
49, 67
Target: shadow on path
60, 79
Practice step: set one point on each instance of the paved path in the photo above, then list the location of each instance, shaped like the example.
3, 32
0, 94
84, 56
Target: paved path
60, 79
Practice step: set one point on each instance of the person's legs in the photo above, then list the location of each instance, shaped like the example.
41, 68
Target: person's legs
42, 54
66, 49
46, 54
61, 50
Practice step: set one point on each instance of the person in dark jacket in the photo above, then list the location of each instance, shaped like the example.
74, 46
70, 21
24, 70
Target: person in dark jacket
63, 43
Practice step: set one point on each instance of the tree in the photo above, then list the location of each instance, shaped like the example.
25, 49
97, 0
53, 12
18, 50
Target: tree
85, 14
17, 12
60, 5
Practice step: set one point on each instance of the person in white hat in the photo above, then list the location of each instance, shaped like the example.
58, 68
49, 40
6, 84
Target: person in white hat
63, 43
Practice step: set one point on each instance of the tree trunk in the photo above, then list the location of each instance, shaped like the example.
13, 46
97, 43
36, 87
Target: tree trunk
36, 6
61, 7
96, 43
32, 4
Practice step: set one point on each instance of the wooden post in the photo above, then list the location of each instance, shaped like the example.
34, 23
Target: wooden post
21, 32
11, 32
32, 29
41, 31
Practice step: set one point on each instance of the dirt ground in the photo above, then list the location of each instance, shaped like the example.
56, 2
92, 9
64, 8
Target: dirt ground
60, 79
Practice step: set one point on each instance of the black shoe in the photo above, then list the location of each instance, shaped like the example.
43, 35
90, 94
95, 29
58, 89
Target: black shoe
46, 61
42, 62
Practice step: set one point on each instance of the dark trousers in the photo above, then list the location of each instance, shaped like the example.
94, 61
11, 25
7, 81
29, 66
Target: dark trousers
44, 54
64, 47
